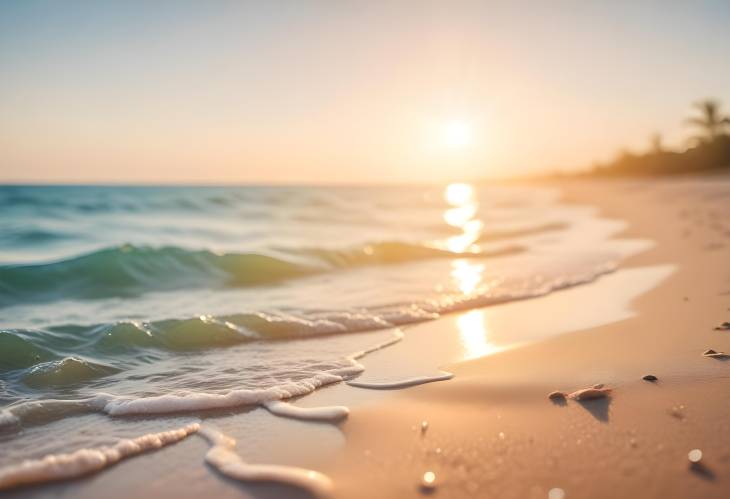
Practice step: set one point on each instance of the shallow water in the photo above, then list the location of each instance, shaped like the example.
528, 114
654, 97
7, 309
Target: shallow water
141, 300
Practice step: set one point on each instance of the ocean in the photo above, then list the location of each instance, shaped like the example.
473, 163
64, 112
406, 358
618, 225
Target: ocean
122, 300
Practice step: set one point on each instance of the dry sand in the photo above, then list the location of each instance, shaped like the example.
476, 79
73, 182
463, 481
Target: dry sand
493, 432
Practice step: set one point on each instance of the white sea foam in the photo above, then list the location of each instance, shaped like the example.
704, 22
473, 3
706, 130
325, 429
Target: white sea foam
407, 315
223, 457
7, 418
120, 406
84, 461
46, 410
328, 413
397, 336
42, 411
404, 383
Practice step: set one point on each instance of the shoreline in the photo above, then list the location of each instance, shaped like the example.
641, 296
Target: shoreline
506, 359
492, 430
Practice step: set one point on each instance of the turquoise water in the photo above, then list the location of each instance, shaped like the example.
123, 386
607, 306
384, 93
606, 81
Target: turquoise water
147, 297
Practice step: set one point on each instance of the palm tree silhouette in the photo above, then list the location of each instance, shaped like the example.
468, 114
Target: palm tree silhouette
657, 143
711, 122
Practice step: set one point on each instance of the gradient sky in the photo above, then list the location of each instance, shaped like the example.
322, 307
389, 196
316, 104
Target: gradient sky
345, 91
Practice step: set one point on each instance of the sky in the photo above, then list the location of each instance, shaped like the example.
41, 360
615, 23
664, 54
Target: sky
346, 91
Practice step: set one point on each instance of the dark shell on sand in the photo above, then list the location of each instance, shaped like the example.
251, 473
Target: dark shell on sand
716, 355
650, 377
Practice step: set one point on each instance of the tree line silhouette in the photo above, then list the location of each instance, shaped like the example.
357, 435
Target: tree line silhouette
709, 148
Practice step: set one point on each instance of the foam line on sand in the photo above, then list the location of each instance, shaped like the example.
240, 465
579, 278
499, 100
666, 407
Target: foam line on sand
328, 413
54, 467
223, 457
404, 383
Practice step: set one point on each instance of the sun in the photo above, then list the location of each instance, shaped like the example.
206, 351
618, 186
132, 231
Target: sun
457, 134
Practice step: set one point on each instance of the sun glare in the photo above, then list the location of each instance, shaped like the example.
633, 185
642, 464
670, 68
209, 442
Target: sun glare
461, 215
474, 335
457, 134
459, 194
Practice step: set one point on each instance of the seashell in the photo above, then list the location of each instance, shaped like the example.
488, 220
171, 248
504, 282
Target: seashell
556, 395
590, 394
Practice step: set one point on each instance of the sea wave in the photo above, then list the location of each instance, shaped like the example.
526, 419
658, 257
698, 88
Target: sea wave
67, 371
531, 230
54, 355
57, 355
129, 270
23, 236
43, 411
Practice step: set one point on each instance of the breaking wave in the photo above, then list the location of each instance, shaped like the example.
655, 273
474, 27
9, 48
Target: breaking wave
127, 270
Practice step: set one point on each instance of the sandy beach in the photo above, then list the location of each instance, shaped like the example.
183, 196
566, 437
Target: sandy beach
493, 432
354, 250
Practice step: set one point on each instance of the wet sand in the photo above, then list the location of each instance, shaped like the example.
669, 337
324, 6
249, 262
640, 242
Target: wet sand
493, 432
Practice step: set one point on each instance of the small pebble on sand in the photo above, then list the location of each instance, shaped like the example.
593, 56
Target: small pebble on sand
677, 412
694, 456
598, 386
649, 377
725, 326
556, 395
428, 482
424, 426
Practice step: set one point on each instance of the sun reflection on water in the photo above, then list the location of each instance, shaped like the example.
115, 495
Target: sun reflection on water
461, 215
467, 275
464, 207
458, 194
474, 335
